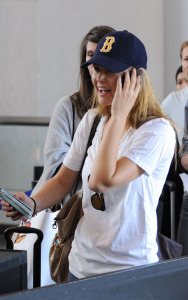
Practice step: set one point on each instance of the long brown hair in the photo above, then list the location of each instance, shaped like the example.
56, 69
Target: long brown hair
83, 99
145, 108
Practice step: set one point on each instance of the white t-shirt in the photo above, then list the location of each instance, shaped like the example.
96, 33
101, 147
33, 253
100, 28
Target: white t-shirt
173, 106
124, 235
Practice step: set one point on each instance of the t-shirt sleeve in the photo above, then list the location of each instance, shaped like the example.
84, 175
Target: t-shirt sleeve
152, 142
166, 105
75, 155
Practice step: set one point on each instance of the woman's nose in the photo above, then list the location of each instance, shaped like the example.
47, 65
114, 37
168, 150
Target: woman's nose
101, 76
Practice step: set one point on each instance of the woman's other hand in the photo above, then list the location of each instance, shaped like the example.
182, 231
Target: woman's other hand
11, 212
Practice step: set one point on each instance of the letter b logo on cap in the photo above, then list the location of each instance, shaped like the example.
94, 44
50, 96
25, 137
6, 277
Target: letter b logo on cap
107, 46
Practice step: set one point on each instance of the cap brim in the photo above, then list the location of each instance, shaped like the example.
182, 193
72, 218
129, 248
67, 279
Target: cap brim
107, 62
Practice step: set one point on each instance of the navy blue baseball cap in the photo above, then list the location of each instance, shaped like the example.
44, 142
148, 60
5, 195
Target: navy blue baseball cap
119, 50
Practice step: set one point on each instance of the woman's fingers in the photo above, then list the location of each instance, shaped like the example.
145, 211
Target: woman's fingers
6, 206
11, 212
131, 80
127, 80
138, 85
126, 96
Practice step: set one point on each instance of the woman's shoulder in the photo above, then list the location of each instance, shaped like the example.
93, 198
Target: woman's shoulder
158, 126
62, 109
156, 131
87, 121
90, 115
63, 103
163, 122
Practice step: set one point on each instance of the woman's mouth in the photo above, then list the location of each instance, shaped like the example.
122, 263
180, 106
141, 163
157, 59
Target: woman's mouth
103, 91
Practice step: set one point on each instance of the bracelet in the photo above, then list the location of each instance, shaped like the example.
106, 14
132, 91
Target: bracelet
35, 207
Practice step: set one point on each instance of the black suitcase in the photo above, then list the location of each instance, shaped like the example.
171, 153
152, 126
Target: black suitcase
171, 186
169, 189
36, 250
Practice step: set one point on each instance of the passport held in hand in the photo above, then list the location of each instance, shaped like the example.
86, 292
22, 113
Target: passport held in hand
16, 203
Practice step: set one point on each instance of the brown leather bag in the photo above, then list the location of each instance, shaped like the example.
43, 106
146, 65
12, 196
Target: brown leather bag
67, 220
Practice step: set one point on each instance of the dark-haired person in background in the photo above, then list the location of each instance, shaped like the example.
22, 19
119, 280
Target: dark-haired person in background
181, 80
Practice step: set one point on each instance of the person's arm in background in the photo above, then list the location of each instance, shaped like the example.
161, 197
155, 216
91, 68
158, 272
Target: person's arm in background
183, 161
58, 139
183, 153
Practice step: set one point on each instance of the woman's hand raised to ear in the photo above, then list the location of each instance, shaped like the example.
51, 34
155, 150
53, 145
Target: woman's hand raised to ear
107, 171
125, 97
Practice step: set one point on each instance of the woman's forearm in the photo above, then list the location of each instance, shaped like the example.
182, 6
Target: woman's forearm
52, 192
105, 162
55, 189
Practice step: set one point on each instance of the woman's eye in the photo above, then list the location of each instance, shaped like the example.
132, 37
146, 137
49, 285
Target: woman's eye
97, 69
90, 54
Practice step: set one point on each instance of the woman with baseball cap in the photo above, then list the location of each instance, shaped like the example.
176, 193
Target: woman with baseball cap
65, 119
125, 169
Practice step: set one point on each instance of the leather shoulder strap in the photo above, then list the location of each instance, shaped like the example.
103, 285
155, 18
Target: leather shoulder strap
73, 118
91, 136
92, 132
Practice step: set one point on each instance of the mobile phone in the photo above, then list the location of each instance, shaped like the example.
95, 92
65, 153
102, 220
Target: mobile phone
122, 79
138, 72
16, 203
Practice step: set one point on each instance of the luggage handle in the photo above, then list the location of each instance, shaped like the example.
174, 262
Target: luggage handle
36, 250
172, 187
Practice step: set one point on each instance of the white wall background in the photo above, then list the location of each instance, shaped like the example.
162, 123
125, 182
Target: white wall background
41, 38
175, 33
39, 57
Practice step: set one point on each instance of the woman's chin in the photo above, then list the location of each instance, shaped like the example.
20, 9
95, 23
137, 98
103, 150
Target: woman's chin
105, 102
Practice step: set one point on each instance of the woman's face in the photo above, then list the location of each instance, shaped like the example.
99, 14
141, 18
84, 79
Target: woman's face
104, 82
181, 82
90, 50
185, 62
